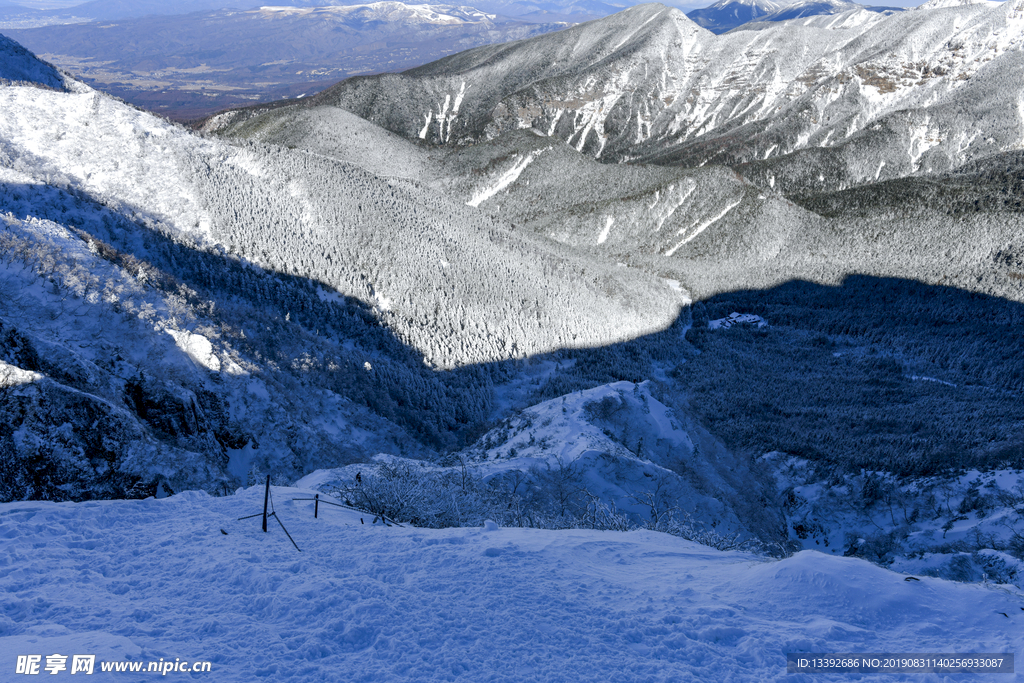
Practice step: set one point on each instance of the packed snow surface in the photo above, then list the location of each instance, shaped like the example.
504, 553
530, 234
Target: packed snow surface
145, 580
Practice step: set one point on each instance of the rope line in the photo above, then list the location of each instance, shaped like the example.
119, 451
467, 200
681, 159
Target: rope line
354, 509
274, 515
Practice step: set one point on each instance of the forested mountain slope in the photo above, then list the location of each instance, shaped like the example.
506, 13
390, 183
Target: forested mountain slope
709, 228
799, 110
219, 305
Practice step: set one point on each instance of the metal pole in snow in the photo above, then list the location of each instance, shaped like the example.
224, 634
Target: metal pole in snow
316, 506
266, 501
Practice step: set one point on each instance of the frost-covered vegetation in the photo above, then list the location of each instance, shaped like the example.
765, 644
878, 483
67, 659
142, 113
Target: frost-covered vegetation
877, 374
538, 498
965, 527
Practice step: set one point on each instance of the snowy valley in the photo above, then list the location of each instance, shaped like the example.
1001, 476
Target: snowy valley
632, 351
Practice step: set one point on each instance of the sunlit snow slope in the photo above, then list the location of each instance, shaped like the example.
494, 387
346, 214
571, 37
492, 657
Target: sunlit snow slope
274, 207
204, 301
182, 578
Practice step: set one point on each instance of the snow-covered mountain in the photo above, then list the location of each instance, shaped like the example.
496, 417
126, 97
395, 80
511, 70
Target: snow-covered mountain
726, 15
886, 97
191, 324
474, 320
542, 331
790, 120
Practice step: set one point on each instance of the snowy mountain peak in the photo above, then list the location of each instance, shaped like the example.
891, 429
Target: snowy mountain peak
765, 5
813, 8
18, 64
728, 14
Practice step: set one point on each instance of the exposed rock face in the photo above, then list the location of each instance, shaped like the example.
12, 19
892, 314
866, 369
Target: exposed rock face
71, 429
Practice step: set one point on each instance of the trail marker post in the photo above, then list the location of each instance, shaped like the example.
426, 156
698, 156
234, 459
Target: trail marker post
266, 499
269, 511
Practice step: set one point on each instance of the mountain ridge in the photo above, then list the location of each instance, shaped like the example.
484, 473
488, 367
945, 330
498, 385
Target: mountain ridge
18, 64
675, 111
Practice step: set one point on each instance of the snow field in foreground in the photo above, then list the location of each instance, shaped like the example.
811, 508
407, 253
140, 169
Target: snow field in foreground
362, 602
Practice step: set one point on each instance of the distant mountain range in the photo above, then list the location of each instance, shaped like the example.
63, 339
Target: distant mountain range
127, 9
726, 15
185, 66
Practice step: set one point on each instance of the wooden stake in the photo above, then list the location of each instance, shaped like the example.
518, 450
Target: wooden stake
266, 501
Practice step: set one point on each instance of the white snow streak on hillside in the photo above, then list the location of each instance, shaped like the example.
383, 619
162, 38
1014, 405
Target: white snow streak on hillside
198, 348
606, 230
450, 118
672, 202
428, 117
1020, 118
157, 579
12, 375
704, 226
445, 118
506, 179
922, 138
